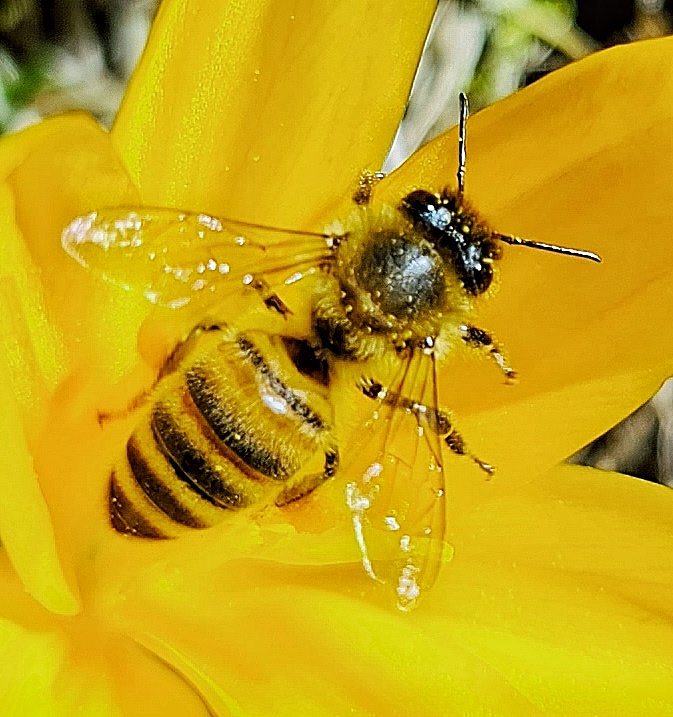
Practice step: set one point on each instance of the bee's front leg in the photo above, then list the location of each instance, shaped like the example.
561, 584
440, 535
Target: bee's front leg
368, 180
483, 341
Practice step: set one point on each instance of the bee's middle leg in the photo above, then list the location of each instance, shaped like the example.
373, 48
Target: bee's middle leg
433, 419
271, 300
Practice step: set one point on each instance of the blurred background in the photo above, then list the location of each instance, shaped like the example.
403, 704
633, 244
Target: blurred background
79, 54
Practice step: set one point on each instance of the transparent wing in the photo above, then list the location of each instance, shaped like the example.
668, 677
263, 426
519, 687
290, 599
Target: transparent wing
176, 258
396, 496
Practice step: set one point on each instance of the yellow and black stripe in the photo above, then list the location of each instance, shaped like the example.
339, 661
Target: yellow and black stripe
232, 425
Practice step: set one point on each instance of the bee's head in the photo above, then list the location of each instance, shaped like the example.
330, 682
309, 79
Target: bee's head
426, 211
461, 238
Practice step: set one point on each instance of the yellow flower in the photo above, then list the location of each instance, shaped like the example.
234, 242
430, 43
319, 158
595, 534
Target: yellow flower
557, 600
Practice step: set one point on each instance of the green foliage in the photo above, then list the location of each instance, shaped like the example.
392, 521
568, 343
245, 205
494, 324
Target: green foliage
19, 84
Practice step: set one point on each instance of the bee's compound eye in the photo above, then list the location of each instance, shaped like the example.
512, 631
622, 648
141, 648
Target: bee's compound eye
419, 202
426, 209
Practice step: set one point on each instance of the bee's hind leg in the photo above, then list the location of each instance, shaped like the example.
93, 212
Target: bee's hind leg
429, 418
310, 482
483, 341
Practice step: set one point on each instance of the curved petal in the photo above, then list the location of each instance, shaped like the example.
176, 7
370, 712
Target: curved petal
583, 158
556, 603
57, 668
54, 171
268, 111
581, 586
25, 523
54, 320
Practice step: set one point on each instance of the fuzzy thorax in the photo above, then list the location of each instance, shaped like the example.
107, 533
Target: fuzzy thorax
389, 288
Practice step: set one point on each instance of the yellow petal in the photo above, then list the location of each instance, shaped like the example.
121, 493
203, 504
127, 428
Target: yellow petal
52, 326
268, 111
583, 158
25, 525
60, 667
556, 603
572, 577
31, 683
53, 172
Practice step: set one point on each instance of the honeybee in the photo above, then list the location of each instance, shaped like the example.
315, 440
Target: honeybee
246, 418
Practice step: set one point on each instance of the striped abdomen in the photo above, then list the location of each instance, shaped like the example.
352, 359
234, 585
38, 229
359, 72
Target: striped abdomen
234, 424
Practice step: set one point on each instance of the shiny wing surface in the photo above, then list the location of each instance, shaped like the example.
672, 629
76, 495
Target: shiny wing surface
396, 496
176, 258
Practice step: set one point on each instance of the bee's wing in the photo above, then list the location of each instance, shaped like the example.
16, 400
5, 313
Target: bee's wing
176, 258
397, 496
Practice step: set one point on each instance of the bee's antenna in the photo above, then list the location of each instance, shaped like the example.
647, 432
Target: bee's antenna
548, 247
462, 138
